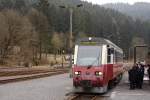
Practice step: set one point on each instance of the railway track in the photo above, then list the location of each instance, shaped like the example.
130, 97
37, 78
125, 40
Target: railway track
26, 71
27, 76
84, 97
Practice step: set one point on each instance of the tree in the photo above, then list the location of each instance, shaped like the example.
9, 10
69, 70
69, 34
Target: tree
57, 43
20, 5
6, 4
16, 30
82, 35
40, 23
43, 6
91, 20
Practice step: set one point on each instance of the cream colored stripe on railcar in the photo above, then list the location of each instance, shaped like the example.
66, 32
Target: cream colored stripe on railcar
75, 54
104, 54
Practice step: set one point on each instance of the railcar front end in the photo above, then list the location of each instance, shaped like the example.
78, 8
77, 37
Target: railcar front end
93, 68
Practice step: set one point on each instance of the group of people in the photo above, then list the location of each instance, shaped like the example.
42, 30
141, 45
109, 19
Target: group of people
136, 75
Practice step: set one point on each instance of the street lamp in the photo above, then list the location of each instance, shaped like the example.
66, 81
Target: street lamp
70, 35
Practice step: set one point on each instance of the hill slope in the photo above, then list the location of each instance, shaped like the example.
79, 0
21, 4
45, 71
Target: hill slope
139, 10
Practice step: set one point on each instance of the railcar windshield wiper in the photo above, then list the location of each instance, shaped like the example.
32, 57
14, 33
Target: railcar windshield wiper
97, 60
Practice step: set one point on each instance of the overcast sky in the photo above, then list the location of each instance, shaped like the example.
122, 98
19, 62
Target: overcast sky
115, 1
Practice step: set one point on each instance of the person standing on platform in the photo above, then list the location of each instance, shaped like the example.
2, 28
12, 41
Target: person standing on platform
132, 77
140, 75
148, 71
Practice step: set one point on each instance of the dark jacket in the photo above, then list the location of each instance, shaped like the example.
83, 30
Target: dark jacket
141, 71
148, 71
133, 74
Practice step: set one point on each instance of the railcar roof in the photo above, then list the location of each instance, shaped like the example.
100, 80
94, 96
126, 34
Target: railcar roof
99, 41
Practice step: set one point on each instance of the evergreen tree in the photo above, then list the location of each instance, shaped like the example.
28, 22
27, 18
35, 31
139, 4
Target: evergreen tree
6, 4
43, 6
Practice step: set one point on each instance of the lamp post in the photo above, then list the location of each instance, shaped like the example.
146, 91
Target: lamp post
62, 56
129, 54
70, 33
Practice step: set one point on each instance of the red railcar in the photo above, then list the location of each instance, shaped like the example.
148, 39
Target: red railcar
98, 63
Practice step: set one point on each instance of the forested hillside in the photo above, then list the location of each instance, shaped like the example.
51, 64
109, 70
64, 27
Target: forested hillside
139, 10
48, 25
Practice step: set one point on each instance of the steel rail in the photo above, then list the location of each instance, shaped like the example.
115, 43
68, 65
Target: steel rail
74, 97
77, 97
94, 97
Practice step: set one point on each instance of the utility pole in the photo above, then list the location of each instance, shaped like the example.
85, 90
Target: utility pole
70, 35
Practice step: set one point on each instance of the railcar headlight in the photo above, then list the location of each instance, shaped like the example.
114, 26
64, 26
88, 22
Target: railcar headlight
77, 73
98, 73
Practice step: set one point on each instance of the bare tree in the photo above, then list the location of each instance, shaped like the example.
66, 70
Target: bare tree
15, 30
40, 23
57, 43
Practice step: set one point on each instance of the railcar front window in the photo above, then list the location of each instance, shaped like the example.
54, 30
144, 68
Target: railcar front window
89, 55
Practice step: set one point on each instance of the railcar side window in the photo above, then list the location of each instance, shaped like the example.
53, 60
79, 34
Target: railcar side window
118, 57
108, 58
110, 54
